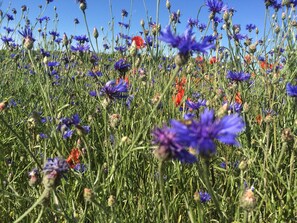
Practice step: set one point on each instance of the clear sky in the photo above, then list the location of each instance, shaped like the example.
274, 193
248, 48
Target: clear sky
99, 15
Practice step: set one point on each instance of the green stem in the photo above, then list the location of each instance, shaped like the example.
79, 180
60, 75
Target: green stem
38, 201
161, 182
205, 177
86, 22
21, 141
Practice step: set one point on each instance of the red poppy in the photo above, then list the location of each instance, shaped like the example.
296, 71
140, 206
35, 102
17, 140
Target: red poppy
265, 65
248, 59
238, 98
73, 158
213, 60
138, 41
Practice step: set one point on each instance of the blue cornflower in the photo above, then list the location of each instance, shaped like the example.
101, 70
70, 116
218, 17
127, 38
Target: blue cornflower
44, 53
53, 64
204, 197
65, 125
45, 18
291, 90
6, 40
54, 34
120, 48
94, 73
214, 6
174, 17
238, 76
124, 24
57, 165
105, 46
122, 66
201, 27
81, 39
115, 90
8, 30
171, 145
185, 43
80, 168
124, 13
27, 34
80, 48
202, 134
9, 17
76, 21
250, 27
192, 22
195, 105
270, 2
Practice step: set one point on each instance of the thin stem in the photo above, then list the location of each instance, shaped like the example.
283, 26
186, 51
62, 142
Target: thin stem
161, 182
38, 201
21, 141
89, 35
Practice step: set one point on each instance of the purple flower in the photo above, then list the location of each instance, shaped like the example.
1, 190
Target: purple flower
6, 40
202, 27
27, 34
214, 6
185, 43
124, 24
57, 164
192, 22
204, 197
8, 30
171, 145
202, 134
81, 39
113, 90
195, 105
80, 48
124, 13
122, 66
238, 76
80, 168
291, 90
250, 27
9, 17
46, 18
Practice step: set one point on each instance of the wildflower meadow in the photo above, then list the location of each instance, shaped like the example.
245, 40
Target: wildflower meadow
189, 120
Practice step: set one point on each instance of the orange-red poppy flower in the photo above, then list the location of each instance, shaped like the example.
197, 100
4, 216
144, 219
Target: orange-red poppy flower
213, 60
73, 158
138, 41
238, 98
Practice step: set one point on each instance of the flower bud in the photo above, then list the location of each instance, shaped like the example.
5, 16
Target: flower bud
248, 200
111, 201
95, 33
3, 105
142, 23
28, 43
83, 6
168, 4
88, 194
114, 120
162, 153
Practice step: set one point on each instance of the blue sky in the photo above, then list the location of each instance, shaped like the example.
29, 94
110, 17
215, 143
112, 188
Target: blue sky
98, 13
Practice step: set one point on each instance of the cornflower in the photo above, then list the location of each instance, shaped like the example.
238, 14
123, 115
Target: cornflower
238, 76
214, 6
291, 90
171, 145
186, 43
114, 90
201, 135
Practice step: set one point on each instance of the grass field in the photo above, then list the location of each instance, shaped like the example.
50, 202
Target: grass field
166, 127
